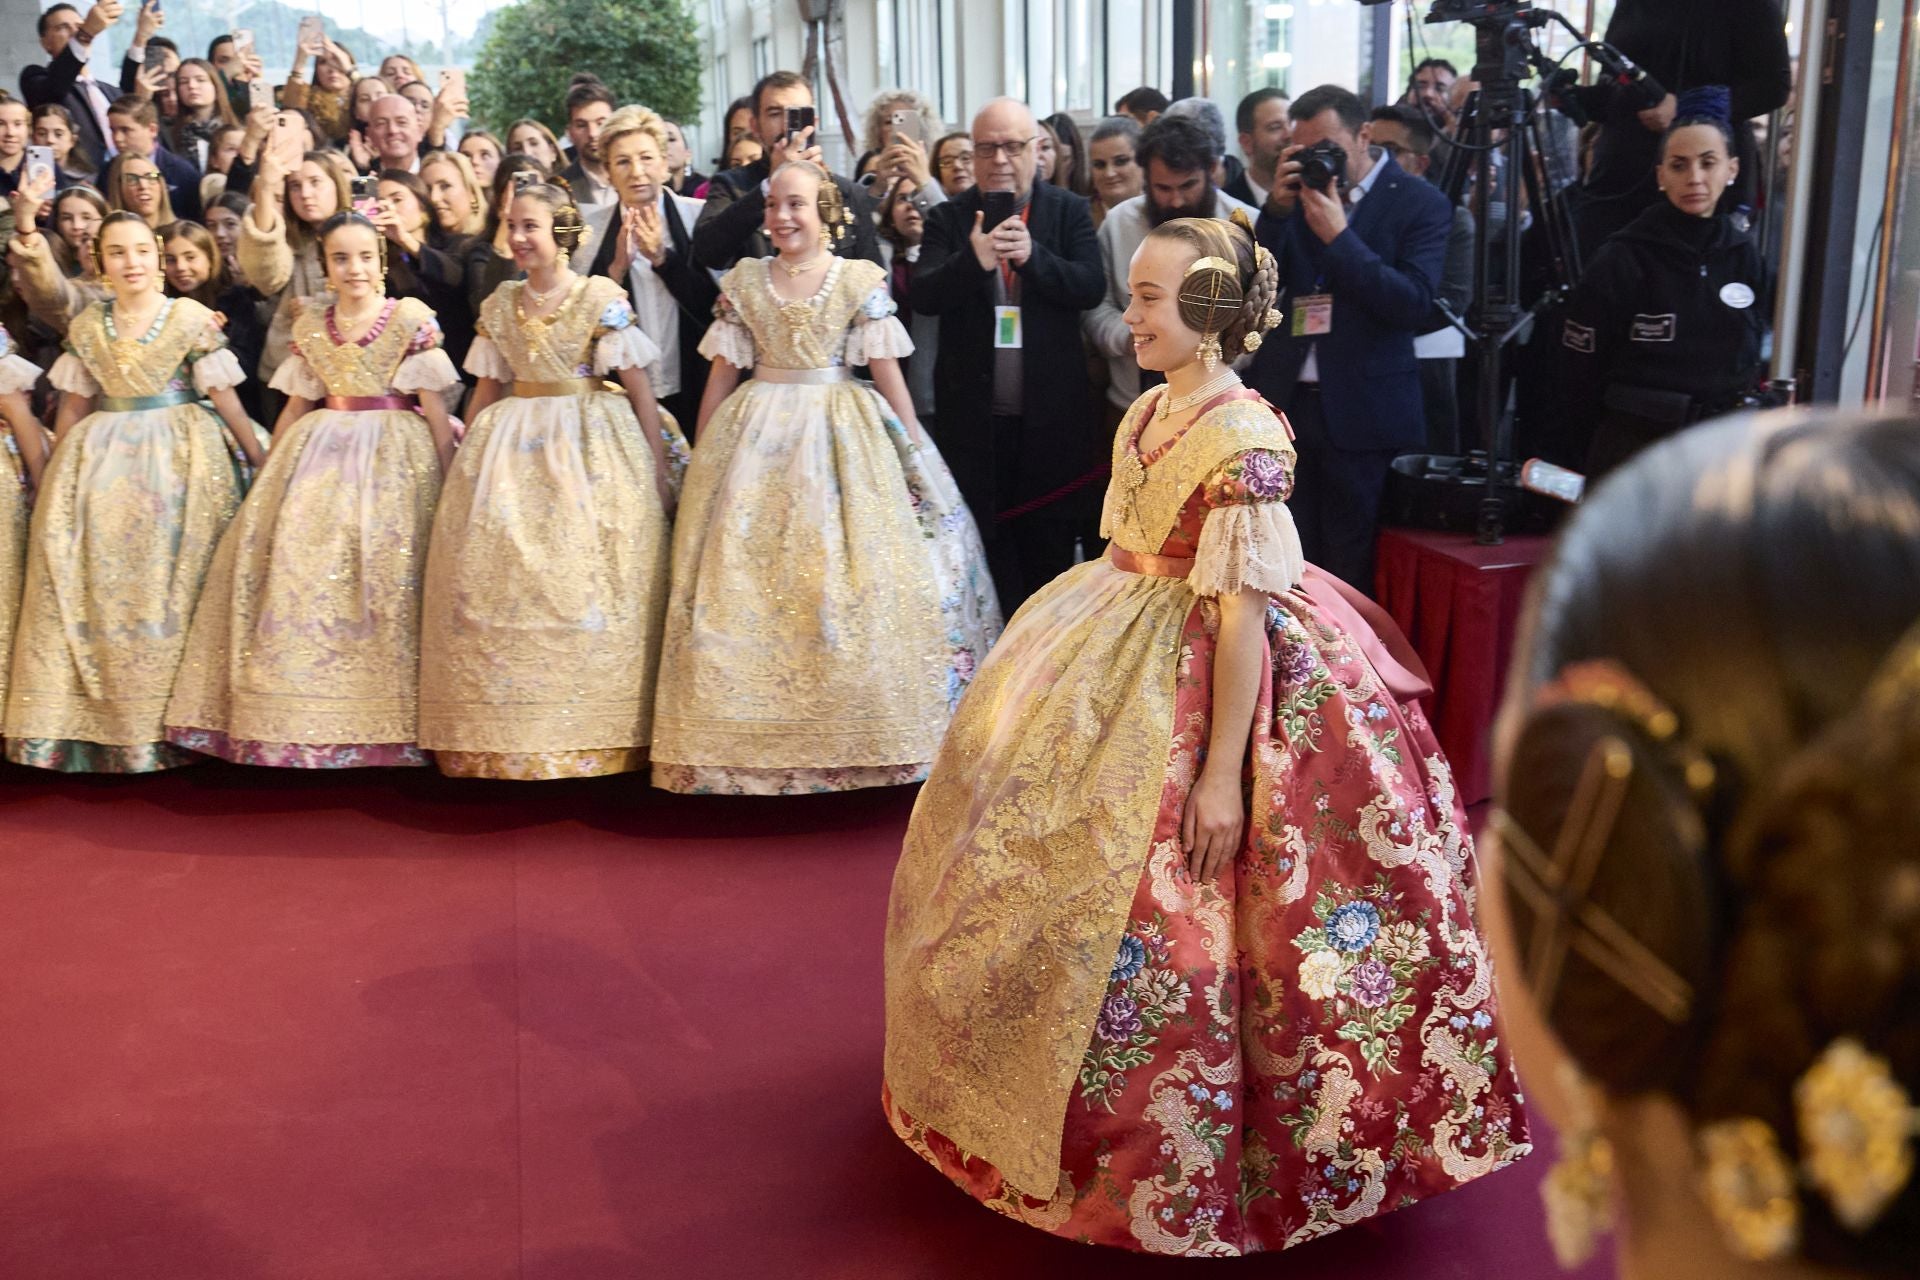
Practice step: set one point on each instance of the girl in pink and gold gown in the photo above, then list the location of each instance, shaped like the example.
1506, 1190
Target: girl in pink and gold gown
1181, 955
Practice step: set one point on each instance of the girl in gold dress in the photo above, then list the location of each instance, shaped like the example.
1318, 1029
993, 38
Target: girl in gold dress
144, 478
24, 442
548, 573
305, 648
830, 595
1181, 955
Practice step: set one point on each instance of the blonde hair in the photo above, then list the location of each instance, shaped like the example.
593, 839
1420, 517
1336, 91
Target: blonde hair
476, 198
1256, 272
874, 132
111, 181
633, 119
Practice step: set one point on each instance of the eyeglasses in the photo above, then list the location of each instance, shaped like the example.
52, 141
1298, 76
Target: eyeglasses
140, 179
955, 160
990, 151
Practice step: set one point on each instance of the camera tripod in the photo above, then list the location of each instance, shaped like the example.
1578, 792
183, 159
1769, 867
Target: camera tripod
1500, 142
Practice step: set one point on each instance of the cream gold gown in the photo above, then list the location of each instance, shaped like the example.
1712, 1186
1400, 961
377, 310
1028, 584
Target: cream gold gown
547, 577
132, 505
305, 648
830, 595
17, 374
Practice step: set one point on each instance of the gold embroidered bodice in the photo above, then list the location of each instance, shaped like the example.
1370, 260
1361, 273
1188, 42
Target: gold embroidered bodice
807, 334
354, 368
144, 364
1140, 519
559, 345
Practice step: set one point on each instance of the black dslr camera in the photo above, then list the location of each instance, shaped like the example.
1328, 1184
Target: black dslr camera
1323, 166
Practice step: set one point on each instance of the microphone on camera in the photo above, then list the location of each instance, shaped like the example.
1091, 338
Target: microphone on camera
1631, 78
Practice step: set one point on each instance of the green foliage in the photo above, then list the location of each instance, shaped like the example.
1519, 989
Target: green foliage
647, 51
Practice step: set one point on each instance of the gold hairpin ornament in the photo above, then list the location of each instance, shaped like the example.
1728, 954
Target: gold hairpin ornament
1210, 296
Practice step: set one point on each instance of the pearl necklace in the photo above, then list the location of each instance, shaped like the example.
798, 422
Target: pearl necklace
1133, 468
1169, 405
540, 299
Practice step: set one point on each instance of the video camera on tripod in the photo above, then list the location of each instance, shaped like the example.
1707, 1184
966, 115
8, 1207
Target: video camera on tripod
1500, 144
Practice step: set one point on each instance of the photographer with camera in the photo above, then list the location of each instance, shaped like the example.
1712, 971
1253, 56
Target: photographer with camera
730, 225
1361, 246
1666, 327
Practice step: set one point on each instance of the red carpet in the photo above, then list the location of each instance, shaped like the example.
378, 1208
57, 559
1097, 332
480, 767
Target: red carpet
394, 1027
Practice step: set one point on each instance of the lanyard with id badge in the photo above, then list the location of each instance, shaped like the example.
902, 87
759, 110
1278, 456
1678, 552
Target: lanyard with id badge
1313, 314
1006, 315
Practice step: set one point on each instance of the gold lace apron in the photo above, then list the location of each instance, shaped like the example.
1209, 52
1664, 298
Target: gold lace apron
1029, 839
129, 513
547, 576
805, 629
308, 627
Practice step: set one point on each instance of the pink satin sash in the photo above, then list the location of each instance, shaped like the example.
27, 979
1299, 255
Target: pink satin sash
1370, 626
364, 404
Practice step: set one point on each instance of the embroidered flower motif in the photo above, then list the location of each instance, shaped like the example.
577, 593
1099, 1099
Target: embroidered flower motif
1353, 926
1159, 992
1264, 475
1295, 662
1119, 1020
618, 315
1372, 984
879, 305
1320, 975
1131, 960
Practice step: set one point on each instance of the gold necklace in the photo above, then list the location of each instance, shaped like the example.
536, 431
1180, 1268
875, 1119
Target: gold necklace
803, 268
1170, 405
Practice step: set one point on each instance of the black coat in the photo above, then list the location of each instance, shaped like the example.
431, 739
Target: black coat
1740, 44
693, 290
730, 226
1063, 439
58, 84
1659, 310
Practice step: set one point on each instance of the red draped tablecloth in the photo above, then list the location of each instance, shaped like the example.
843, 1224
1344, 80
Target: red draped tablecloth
1458, 603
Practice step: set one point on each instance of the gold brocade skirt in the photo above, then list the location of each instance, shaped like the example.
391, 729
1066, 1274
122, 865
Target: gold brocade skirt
305, 648
546, 584
14, 510
830, 599
128, 515
1022, 858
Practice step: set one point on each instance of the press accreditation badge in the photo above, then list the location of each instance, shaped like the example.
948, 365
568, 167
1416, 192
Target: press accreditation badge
1737, 295
1313, 315
1006, 328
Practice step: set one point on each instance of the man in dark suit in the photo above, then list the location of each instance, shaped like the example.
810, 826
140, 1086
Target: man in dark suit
729, 228
644, 240
1359, 264
67, 80
1017, 423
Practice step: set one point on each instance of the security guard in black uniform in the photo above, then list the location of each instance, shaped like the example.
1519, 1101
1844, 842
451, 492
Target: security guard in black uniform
1667, 325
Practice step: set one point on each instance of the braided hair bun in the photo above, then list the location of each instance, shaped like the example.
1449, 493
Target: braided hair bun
1257, 277
1733, 791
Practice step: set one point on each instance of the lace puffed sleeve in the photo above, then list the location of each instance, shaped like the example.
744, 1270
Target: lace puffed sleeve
877, 333
1248, 540
215, 367
426, 366
485, 361
728, 337
17, 373
296, 378
70, 374
619, 342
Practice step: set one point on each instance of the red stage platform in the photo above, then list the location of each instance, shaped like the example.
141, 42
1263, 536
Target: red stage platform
1458, 603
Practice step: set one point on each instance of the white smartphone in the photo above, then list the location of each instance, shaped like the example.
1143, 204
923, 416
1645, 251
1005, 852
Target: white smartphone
40, 166
453, 83
312, 33
1556, 482
909, 124
200, 153
242, 42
